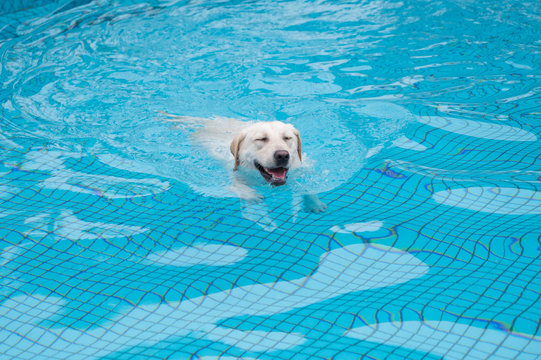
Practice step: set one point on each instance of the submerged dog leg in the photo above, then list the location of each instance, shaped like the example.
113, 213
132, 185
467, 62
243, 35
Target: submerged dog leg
313, 204
245, 192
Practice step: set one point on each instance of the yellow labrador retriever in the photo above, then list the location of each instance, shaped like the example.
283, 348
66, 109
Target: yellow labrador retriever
270, 148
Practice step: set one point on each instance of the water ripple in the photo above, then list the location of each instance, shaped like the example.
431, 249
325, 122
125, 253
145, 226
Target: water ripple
478, 129
496, 200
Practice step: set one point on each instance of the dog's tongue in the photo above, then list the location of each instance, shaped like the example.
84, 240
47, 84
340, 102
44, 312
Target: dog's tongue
278, 173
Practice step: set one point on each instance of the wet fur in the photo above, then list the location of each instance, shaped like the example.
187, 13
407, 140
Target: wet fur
246, 147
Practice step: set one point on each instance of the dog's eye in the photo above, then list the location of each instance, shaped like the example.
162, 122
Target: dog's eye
286, 138
263, 139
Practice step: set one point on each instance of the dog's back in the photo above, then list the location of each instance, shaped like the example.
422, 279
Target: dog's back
214, 134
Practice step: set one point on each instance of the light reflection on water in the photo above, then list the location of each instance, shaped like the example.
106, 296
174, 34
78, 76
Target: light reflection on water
418, 123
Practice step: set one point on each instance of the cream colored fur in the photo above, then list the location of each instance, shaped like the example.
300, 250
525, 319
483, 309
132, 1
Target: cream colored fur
248, 142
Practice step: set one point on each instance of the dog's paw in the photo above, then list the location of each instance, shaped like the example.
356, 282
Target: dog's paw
252, 198
313, 204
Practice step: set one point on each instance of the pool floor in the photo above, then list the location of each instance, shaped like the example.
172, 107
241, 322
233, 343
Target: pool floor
420, 122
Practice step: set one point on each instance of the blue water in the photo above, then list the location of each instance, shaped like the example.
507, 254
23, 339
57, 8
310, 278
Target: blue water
420, 125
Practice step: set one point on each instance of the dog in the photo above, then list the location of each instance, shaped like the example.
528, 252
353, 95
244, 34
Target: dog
270, 149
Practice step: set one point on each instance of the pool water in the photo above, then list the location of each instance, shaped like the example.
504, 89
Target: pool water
420, 122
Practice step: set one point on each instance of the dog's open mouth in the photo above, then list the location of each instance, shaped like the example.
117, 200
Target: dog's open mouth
276, 176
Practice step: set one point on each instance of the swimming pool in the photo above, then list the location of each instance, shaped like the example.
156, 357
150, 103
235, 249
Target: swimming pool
420, 123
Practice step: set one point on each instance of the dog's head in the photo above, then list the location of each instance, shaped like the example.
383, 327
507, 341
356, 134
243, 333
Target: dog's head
270, 147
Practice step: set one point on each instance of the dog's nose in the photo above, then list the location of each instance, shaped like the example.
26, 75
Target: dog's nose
281, 157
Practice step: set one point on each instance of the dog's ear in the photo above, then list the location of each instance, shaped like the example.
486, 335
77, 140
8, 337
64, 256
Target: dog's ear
299, 147
235, 148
